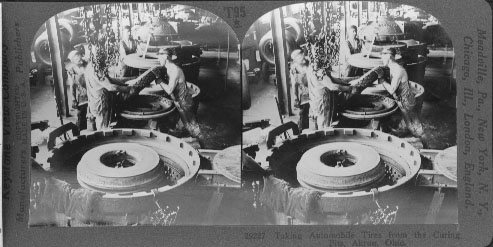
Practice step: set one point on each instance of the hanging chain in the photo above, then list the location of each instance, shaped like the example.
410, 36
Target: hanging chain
105, 44
322, 34
118, 13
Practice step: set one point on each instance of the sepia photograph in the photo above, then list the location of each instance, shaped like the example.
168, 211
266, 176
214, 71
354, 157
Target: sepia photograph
135, 117
349, 116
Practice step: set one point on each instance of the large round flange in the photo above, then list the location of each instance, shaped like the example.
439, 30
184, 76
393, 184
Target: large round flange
378, 89
119, 168
402, 163
138, 61
147, 106
359, 60
369, 106
181, 163
340, 166
377, 48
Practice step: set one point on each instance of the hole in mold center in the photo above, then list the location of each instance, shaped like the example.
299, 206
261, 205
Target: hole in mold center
118, 159
338, 158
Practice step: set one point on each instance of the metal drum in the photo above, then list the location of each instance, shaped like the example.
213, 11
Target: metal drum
416, 88
369, 106
131, 167
194, 90
147, 106
358, 183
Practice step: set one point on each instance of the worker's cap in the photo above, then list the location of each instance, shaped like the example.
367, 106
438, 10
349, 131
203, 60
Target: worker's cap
391, 51
72, 55
296, 53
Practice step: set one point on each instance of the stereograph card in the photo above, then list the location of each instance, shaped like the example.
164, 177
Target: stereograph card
247, 123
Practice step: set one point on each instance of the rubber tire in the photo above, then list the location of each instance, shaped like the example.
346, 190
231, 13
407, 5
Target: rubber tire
293, 25
265, 43
40, 53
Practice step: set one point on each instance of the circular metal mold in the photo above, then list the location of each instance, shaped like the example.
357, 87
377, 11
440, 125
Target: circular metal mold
360, 60
416, 88
180, 162
369, 106
119, 168
377, 48
147, 106
401, 160
446, 163
339, 166
137, 61
378, 89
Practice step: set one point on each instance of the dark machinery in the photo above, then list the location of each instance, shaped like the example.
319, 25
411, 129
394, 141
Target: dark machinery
121, 175
353, 171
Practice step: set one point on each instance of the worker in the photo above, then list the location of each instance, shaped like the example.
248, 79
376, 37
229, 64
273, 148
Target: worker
175, 86
103, 95
78, 90
400, 90
326, 97
353, 45
298, 69
128, 45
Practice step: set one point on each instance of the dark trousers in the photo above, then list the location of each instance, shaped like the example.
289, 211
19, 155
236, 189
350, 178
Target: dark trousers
304, 121
82, 117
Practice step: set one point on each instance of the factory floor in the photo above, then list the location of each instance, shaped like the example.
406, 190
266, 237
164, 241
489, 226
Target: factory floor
438, 113
439, 119
219, 113
219, 117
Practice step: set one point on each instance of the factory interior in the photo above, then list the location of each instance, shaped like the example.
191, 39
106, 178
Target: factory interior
327, 139
135, 117
324, 113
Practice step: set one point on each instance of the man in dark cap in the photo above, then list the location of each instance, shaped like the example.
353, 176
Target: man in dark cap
128, 45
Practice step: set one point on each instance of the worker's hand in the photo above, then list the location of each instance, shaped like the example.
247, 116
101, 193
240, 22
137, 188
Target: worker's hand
75, 104
131, 82
354, 90
296, 103
132, 91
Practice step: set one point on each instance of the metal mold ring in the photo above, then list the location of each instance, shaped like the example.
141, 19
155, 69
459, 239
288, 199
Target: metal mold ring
181, 163
369, 106
340, 166
360, 61
378, 89
148, 106
119, 168
402, 163
137, 61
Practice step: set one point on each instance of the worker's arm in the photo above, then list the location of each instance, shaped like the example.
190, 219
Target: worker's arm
292, 75
73, 86
170, 86
392, 87
335, 87
123, 53
105, 82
